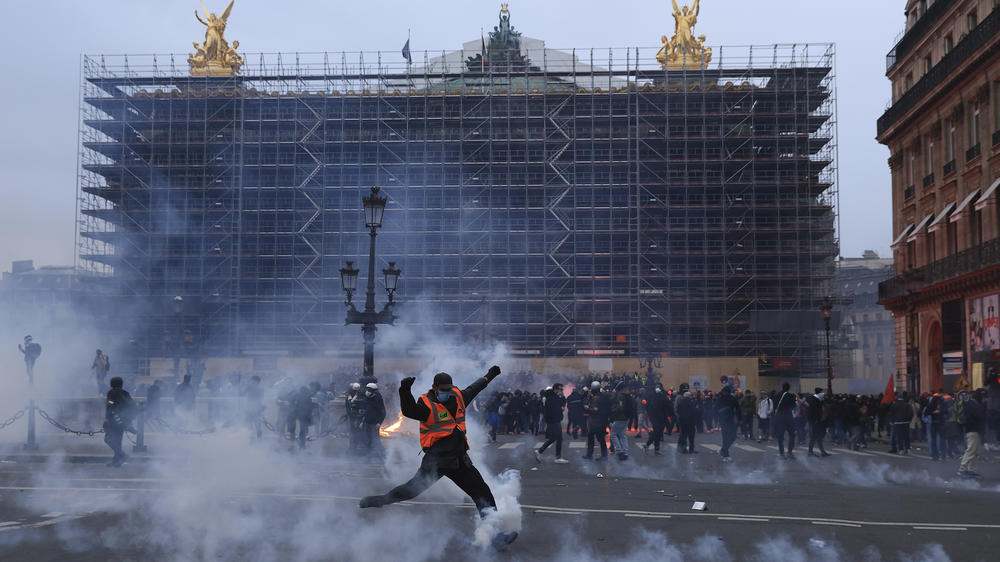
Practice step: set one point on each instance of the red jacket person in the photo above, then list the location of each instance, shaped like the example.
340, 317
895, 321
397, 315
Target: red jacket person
441, 413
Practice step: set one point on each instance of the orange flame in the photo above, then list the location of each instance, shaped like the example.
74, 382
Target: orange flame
389, 430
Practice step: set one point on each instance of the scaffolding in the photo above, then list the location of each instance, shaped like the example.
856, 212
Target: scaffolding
585, 202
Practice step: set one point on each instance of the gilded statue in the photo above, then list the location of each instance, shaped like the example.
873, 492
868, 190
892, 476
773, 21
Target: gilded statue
683, 50
215, 57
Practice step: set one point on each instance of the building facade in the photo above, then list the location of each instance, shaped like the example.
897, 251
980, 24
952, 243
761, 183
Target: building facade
943, 133
864, 342
566, 203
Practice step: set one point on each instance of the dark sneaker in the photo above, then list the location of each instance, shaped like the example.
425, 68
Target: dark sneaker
371, 501
502, 540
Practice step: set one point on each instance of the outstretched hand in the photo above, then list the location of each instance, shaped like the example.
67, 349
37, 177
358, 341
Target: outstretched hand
407, 382
493, 372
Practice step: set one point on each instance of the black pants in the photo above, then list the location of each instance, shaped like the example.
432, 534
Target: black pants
371, 442
686, 438
784, 424
596, 433
728, 436
656, 435
553, 434
461, 471
113, 437
816, 432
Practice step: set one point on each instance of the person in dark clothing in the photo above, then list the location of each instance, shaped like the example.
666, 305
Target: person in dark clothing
598, 409
153, 395
534, 408
119, 410
184, 396
301, 413
659, 410
441, 413
574, 411
972, 417
31, 350
935, 412
374, 415
900, 415
687, 420
817, 417
854, 423
727, 412
784, 422
254, 406
552, 412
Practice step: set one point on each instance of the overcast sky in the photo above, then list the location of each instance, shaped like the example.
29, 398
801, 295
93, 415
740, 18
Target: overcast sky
42, 43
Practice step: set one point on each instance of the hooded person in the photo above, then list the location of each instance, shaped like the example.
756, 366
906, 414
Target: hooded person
119, 410
441, 413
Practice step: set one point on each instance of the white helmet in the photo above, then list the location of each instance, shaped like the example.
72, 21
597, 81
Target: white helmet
548, 388
355, 385
372, 386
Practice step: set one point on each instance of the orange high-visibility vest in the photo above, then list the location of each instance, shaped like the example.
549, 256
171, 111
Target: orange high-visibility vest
440, 423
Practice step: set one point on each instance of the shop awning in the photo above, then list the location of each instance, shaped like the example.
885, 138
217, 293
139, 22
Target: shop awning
987, 194
919, 228
961, 206
903, 234
941, 216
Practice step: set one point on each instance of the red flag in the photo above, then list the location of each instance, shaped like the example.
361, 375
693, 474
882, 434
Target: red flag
890, 392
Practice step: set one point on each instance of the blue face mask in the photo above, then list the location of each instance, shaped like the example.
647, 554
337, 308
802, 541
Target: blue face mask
443, 396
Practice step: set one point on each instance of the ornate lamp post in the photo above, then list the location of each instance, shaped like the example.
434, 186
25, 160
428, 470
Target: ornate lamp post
827, 308
369, 318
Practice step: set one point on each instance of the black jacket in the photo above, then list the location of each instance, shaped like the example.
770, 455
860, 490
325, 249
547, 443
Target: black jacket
553, 411
659, 408
599, 409
374, 408
119, 410
455, 444
727, 408
975, 416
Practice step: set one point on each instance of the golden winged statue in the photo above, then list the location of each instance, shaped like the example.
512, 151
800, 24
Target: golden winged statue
215, 57
683, 50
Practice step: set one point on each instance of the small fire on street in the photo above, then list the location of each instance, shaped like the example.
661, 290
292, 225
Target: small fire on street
390, 430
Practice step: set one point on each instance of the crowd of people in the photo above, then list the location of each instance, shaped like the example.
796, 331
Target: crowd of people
609, 410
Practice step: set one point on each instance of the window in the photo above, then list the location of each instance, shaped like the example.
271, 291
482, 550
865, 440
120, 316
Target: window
972, 20
976, 227
931, 250
927, 64
907, 82
951, 237
949, 42
928, 155
950, 145
996, 103
973, 123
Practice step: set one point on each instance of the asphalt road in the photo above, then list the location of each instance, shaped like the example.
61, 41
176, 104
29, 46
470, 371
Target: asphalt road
273, 504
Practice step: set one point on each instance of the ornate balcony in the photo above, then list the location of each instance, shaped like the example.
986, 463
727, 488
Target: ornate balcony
963, 263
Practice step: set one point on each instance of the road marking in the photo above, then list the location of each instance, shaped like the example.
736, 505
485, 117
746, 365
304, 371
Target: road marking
748, 448
554, 512
648, 515
53, 514
835, 523
574, 510
711, 447
755, 519
509, 446
577, 445
858, 453
9, 523
940, 528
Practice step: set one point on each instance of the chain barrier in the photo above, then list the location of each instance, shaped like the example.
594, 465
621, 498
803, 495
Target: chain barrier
166, 425
59, 425
13, 418
271, 428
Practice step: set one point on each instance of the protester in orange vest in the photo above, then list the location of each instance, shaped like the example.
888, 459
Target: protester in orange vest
441, 413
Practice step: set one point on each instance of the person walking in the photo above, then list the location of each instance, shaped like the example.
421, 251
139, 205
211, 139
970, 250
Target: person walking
727, 410
687, 418
817, 414
574, 411
441, 413
553, 403
900, 414
622, 408
972, 417
765, 409
598, 410
101, 366
119, 411
659, 409
784, 421
748, 407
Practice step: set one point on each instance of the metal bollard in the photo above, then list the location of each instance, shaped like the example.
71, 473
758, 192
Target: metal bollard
31, 445
140, 432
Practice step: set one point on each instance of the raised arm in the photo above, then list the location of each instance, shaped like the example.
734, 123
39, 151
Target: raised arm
408, 405
199, 18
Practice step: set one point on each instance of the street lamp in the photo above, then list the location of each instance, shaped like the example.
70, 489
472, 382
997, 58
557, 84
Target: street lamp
369, 318
178, 306
827, 308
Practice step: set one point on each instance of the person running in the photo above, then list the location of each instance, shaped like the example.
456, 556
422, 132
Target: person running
441, 413
784, 421
553, 403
